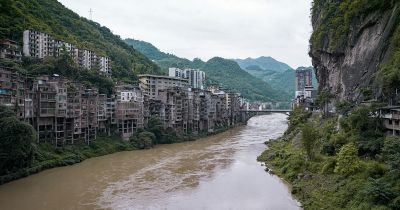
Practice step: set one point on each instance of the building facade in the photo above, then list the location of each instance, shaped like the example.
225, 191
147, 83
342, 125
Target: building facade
39, 45
195, 77
152, 84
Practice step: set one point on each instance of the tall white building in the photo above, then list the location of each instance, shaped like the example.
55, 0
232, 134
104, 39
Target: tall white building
195, 77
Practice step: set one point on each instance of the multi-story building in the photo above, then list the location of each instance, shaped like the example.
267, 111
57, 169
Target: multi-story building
391, 119
129, 110
303, 79
40, 45
10, 49
37, 44
195, 77
152, 84
65, 112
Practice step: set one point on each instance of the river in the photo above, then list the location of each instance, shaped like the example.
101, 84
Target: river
218, 172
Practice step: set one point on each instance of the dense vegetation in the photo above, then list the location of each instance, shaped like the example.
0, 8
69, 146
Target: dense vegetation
52, 17
164, 60
266, 63
332, 20
338, 162
231, 76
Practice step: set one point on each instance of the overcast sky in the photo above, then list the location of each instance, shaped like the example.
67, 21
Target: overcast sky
208, 28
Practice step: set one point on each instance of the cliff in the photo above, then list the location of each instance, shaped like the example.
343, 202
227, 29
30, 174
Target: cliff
351, 42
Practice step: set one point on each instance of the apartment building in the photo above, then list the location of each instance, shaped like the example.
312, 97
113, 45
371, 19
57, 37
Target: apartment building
40, 45
10, 49
64, 112
152, 84
391, 119
195, 77
129, 110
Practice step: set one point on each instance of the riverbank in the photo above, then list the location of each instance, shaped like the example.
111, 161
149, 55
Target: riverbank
336, 172
220, 169
47, 156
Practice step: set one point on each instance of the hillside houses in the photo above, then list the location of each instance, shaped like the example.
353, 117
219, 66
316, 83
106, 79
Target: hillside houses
40, 45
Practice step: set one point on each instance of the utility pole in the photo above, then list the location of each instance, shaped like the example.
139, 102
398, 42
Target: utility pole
90, 14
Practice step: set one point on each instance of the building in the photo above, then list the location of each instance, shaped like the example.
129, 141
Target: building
302, 80
195, 77
10, 49
64, 112
129, 110
40, 45
391, 119
152, 84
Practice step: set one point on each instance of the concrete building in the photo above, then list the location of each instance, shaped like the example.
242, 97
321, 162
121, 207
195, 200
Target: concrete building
195, 77
129, 110
302, 80
40, 45
64, 112
10, 49
391, 119
152, 84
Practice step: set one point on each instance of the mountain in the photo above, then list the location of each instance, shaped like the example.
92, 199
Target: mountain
52, 17
148, 49
225, 72
231, 76
164, 60
355, 46
266, 63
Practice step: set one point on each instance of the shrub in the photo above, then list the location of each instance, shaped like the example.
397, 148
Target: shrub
347, 161
391, 152
329, 166
309, 137
143, 140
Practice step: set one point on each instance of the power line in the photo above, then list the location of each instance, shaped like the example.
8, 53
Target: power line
90, 14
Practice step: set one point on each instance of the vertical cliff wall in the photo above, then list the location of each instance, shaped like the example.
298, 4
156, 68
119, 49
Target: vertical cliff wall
350, 43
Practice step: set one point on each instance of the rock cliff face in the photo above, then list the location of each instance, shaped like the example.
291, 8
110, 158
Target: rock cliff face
352, 64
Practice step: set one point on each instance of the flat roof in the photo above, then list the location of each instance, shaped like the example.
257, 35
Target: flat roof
162, 77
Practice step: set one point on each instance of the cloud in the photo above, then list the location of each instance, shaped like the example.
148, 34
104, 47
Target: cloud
207, 28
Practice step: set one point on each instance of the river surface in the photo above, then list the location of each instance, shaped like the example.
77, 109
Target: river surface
218, 172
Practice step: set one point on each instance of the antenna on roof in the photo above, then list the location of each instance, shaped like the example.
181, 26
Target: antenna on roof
90, 14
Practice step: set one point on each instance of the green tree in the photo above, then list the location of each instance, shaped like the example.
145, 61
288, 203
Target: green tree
16, 142
309, 137
344, 107
323, 100
143, 140
155, 126
347, 161
391, 152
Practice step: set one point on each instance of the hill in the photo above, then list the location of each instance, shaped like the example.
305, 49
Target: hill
266, 63
52, 17
225, 72
231, 76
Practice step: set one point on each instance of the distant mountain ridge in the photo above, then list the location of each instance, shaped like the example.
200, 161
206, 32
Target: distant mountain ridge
264, 62
226, 72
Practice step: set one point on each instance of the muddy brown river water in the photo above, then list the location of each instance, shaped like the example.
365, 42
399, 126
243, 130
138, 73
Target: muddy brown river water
219, 172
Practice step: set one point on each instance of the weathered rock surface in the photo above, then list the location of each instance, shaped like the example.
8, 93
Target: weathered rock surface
346, 71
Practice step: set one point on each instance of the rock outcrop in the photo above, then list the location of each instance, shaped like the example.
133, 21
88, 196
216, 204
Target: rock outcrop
351, 66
